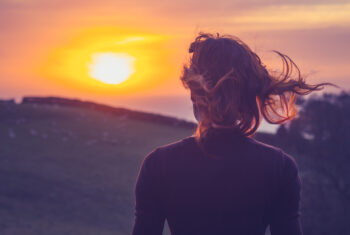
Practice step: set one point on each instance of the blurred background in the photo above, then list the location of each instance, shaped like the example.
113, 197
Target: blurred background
88, 88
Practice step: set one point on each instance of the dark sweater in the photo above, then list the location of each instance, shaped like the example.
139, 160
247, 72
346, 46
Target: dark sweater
251, 186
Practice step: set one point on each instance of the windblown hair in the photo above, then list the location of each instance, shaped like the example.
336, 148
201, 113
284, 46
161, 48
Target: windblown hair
232, 88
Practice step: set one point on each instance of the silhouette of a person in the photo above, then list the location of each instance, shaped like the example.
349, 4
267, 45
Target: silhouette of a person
220, 180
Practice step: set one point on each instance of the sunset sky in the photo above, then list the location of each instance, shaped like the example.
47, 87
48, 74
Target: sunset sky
51, 48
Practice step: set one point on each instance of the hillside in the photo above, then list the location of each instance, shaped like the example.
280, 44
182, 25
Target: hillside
69, 167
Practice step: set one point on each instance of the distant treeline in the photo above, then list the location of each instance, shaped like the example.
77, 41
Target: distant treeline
145, 116
318, 138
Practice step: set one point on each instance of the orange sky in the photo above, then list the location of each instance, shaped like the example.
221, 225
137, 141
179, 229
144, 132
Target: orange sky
45, 45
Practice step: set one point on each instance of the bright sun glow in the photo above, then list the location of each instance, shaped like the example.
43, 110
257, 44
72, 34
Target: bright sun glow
109, 60
111, 68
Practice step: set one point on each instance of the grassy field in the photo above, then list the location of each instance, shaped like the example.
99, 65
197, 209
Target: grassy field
72, 170
68, 170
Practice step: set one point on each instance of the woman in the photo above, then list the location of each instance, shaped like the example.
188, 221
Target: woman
221, 180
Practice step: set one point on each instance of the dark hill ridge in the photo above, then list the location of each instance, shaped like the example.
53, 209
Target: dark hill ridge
144, 116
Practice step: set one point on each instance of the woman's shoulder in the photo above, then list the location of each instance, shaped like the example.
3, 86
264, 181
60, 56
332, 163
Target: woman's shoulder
269, 149
166, 150
283, 160
258, 145
177, 146
157, 161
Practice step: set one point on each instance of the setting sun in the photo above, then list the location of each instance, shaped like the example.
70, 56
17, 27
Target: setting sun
111, 68
110, 60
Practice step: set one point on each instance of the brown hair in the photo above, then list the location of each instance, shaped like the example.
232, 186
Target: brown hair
231, 87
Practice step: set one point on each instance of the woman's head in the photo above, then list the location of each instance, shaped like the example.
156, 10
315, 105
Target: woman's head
231, 87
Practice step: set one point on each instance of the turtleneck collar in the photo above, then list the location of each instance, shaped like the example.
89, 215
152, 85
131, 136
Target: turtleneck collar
223, 142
